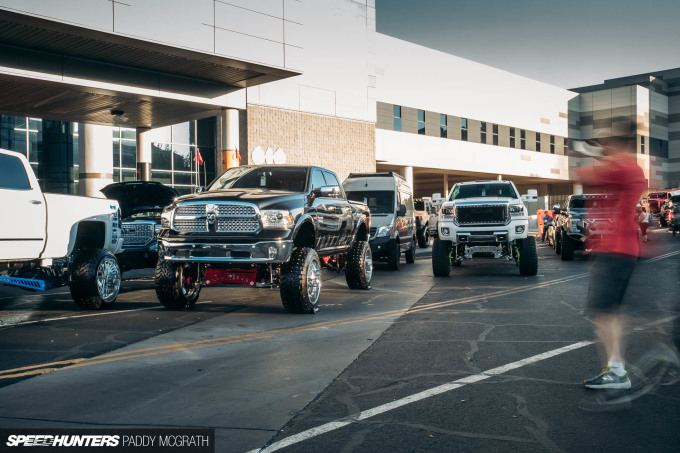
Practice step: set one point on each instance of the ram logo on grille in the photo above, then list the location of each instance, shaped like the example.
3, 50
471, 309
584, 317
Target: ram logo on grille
211, 211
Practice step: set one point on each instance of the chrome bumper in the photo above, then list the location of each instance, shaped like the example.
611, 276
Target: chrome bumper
260, 252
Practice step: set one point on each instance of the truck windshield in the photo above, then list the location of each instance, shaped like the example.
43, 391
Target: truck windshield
378, 201
419, 205
483, 190
292, 179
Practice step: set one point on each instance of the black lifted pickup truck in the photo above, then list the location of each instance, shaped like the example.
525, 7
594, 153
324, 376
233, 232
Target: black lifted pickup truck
263, 226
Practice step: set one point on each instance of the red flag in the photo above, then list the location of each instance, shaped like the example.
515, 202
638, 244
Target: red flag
237, 156
198, 159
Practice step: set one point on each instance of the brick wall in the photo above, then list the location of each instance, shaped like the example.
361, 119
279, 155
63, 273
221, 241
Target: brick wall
341, 145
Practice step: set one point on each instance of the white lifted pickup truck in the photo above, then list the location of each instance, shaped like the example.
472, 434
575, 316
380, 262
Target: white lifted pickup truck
50, 240
483, 219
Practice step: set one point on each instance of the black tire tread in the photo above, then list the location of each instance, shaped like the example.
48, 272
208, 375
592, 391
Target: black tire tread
165, 284
81, 279
410, 254
354, 272
292, 281
528, 257
441, 258
567, 249
393, 257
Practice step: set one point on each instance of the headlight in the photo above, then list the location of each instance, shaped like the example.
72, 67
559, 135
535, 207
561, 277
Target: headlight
157, 228
166, 217
575, 225
385, 230
447, 211
276, 219
517, 210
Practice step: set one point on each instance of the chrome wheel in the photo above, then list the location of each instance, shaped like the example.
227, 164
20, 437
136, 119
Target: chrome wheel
108, 279
368, 264
313, 281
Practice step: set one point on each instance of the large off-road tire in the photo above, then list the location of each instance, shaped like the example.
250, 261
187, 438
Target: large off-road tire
528, 257
558, 241
423, 238
177, 284
567, 252
94, 279
393, 257
441, 258
301, 281
410, 254
359, 268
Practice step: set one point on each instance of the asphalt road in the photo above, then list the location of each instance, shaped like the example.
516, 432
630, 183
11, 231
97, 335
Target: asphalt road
484, 360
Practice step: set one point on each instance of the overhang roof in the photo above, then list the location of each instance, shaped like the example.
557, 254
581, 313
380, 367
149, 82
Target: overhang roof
33, 44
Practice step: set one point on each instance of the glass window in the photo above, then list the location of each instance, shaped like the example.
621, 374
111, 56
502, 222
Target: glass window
482, 126
522, 133
481, 190
129, 134
181, 158
483, 137
128, 154
161, 157
331, 179
164, 177
463, 123
512, 132
538, 141
421, 122
116, 152
378, 201
443, 128
463, 135
129, 175
183, 133
317, 179
512, 142
13, 174
396, 118
185, 178
293, 179
494, 128
495, 139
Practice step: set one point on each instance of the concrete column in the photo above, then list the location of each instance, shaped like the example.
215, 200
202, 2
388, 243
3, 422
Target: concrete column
143, 154
229, 140
578, 188
446, 186
407, 173
95, 160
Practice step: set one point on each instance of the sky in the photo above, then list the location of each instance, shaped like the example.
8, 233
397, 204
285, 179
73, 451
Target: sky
565, 43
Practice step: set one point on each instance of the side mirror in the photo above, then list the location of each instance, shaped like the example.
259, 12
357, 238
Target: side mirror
327, 191
402, 211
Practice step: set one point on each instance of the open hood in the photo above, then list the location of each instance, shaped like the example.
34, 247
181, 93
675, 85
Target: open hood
140, 196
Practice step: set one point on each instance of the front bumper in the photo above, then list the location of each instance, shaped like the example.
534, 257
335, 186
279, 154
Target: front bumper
516, 229
381, 245
265, 252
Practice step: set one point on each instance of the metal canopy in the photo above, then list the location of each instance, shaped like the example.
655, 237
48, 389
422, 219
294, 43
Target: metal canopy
65, 53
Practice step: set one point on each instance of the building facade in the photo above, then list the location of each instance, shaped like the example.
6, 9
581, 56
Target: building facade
101, 91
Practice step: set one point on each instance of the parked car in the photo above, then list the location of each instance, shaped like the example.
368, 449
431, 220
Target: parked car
483, 219
50, 240
582, 223
666, 211
423, 210
393, 222
656, 200
141, 204
262, 226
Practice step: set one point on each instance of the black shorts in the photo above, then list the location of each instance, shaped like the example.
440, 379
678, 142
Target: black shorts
611, 273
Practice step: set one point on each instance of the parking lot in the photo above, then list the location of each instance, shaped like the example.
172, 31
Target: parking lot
483, 360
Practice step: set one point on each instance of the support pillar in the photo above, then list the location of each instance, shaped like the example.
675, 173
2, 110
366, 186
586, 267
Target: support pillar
95, 161
143, 154
446, 186
229, 141
578, 188
407, 173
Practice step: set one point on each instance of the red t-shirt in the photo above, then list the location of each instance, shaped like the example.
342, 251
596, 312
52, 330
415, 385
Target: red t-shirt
620, 175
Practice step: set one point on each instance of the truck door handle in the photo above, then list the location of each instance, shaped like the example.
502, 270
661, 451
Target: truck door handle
35, 202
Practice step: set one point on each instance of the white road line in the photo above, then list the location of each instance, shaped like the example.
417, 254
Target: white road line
667, 255
79, 316
325, 428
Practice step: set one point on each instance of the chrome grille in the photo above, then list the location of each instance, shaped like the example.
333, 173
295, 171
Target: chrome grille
191, 209
237, 225
482, 214
229, 218
236, 210
190, 225
137, 233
